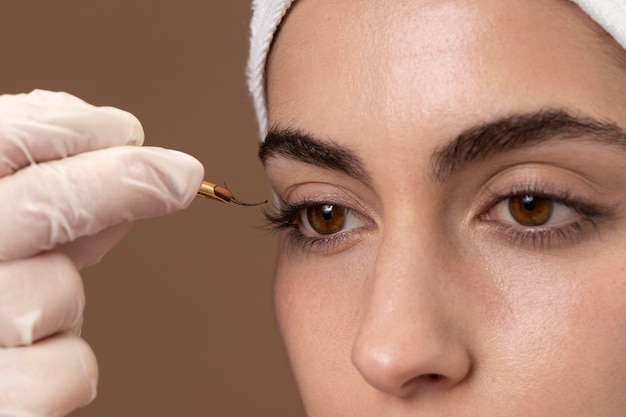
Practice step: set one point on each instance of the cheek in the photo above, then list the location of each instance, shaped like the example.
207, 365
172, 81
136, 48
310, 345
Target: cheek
563, 329
318, 303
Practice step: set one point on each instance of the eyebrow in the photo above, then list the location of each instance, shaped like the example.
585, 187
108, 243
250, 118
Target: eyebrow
300, 146
509, 133
474, 144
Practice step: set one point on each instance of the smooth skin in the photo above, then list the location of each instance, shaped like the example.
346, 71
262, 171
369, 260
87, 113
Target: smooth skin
432, 300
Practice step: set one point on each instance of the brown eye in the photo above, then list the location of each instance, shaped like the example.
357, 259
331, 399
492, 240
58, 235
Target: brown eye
529, 210
326, 219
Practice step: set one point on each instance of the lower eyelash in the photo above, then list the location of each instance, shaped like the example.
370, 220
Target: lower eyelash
545, 237
307, 244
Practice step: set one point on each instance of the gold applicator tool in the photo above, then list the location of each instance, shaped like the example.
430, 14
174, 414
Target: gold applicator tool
223, 194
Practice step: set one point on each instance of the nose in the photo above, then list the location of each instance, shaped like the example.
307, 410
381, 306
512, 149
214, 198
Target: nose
409, 339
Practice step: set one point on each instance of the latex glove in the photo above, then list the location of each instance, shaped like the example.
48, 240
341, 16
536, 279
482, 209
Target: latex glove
69, 189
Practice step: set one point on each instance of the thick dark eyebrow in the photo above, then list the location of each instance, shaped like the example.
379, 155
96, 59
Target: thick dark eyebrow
474, 144
303, 147
480, 142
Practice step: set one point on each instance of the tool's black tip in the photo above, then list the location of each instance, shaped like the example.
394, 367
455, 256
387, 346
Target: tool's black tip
235, 200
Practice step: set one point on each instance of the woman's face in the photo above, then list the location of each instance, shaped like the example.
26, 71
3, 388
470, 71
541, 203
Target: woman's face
452, 185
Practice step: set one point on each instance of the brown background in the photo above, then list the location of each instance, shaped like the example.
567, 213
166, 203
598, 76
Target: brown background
179, 314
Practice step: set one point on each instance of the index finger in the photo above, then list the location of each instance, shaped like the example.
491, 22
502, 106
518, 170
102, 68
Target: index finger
44, 125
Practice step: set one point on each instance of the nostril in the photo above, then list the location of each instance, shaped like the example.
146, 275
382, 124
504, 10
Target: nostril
429, 379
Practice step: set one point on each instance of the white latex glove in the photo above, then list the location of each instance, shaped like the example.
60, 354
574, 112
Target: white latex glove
69, 189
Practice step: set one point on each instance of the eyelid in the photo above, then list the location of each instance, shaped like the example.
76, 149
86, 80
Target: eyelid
584, 224
349, 195
285, 218
560, 184
597, 205
580, 202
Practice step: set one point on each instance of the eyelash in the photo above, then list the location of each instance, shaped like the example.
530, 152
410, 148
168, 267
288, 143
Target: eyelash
544, 236
285, 217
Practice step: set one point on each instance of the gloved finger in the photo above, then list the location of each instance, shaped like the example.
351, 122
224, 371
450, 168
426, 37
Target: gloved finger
48, 379
89, 250
39, 296
44, 125
60, 201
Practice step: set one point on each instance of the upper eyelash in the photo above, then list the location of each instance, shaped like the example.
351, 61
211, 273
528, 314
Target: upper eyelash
284, 217
583, 208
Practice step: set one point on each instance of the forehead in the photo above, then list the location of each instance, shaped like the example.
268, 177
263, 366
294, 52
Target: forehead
433, 65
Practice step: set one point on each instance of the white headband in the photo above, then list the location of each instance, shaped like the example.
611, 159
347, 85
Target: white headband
267, 15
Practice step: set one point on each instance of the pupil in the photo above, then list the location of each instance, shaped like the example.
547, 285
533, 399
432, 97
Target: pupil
326, 219
327, 211
529, 203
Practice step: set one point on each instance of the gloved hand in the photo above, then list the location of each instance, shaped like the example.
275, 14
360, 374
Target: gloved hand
69, 189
